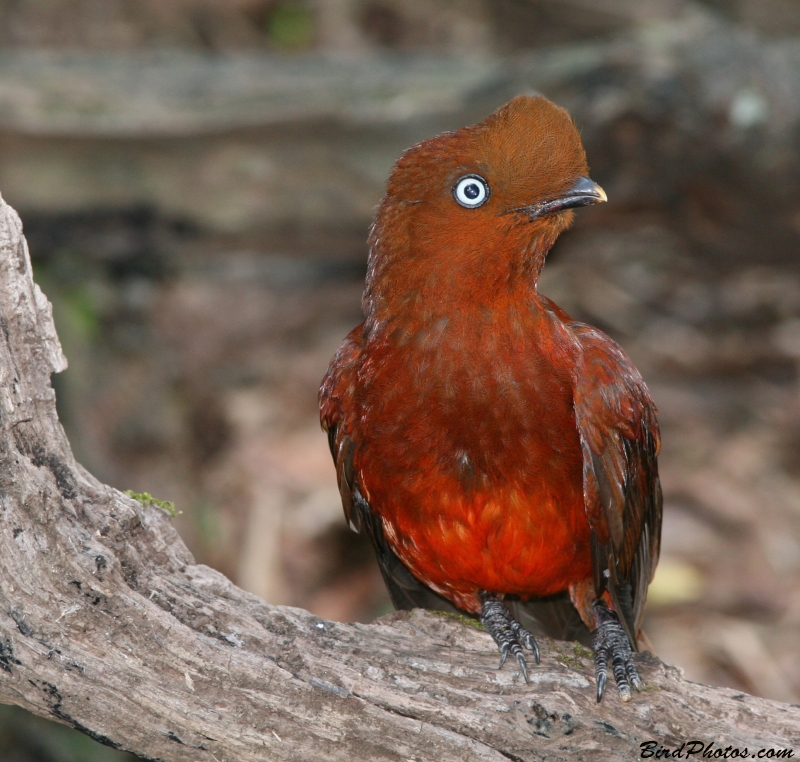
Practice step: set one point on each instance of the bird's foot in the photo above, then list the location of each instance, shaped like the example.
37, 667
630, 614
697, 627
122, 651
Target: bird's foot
609, 641
507, 632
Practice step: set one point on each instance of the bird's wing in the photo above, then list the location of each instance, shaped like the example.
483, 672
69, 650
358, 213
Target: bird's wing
338, 410
616, 419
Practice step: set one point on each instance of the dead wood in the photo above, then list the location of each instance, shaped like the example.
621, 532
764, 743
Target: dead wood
108, 625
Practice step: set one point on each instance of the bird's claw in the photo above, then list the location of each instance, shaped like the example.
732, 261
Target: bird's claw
503, 656
526, 639
507, 632
610, 641
523, 666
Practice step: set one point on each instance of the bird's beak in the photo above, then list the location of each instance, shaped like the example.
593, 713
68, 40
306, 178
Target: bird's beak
585, 192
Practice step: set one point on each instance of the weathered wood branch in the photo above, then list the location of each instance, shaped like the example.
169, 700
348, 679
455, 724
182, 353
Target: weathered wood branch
108, 625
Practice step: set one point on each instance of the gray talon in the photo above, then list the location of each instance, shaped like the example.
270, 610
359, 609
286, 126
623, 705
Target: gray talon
509, 634
601, 684
610, 640
523, 666
503, 655
525, 638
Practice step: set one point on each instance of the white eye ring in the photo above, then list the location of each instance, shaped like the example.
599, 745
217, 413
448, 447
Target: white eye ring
471, 191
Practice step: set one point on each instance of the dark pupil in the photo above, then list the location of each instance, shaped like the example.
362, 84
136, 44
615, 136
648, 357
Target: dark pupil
472, 191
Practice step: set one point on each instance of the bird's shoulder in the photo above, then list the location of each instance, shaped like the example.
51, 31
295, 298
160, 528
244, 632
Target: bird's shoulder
337, 410
610, 392
338, 384
550, 306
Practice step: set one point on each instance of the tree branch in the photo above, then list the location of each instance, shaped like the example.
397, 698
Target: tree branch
108, 625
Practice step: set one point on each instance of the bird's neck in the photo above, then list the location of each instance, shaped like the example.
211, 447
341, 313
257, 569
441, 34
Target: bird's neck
424, 279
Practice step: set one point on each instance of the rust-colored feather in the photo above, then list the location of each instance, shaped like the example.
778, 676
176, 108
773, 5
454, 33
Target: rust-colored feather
484, 440
616, 419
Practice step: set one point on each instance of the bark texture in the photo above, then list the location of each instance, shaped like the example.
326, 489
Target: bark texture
108, 625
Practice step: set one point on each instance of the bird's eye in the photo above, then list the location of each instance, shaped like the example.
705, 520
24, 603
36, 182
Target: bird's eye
471, 191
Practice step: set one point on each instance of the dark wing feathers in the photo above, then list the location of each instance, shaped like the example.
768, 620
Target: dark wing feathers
616, 419
343, 457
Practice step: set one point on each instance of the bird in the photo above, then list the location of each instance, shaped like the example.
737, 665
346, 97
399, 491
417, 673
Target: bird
500, 456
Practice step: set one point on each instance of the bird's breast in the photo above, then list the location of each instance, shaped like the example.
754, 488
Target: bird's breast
471, 455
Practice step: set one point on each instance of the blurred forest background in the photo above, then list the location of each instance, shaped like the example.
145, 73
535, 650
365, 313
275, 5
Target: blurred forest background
196, 179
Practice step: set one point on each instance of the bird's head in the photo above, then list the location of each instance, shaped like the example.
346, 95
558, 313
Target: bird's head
480, 206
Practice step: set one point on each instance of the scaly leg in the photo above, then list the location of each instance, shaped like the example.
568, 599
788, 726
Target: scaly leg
610, 641
507, 632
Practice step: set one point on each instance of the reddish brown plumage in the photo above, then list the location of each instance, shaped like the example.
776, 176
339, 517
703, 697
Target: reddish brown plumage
495, 444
